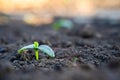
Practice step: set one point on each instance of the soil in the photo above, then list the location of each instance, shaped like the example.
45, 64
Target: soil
96, 47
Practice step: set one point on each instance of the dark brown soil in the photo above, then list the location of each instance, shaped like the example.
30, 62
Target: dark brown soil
97, 47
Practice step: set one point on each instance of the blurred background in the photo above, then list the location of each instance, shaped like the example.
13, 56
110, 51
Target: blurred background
43, 11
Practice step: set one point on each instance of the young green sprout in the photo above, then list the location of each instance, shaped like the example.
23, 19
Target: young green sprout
63, 23
75, 59
43, 48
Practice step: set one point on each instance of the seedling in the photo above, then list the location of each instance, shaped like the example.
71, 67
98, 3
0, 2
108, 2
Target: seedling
75, 59
63, 23
43, 48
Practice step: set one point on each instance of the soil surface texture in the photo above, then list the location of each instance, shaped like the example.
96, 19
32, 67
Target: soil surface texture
85, 52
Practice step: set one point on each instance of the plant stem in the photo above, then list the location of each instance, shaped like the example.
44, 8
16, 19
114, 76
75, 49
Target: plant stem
36, 55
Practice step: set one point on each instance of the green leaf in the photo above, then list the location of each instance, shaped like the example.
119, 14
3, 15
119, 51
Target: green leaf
31, 46
36, 44
46, 49
66, 23
63, 23
56, 26
75, 59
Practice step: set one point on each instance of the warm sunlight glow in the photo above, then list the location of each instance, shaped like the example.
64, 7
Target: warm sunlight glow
33, 19
50, 6
59, 7
86, 7
13, 5
47, 9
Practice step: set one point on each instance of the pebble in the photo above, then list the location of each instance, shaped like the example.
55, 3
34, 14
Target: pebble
88, 32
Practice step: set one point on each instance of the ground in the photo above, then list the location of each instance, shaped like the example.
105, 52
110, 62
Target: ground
95, 47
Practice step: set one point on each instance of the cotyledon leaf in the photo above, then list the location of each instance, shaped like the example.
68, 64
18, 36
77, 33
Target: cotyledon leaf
31, 46
46, 49
66, 23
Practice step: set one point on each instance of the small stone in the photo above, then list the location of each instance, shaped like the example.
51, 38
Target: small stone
88, 32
